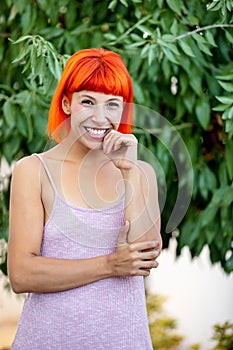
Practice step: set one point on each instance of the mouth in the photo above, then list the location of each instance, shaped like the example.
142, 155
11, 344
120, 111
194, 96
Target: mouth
96, 133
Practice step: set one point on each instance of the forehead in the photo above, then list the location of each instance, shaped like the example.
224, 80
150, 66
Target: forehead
97, 96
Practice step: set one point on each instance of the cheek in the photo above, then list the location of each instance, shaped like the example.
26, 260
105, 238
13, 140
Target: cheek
115, 116
75, 109
80, 114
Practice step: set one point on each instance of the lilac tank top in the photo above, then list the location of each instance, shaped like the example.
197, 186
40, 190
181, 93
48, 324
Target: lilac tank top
109, 314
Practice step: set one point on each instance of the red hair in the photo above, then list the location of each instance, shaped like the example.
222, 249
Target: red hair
97, 70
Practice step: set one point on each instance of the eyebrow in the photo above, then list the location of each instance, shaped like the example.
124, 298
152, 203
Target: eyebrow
110, 99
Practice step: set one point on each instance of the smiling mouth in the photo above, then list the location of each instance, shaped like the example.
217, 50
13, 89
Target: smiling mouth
96, 133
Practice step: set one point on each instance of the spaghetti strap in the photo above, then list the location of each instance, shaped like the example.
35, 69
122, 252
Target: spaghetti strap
46, 170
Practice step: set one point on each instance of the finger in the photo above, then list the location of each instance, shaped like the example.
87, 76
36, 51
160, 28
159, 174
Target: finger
123, 235
151, 255
157, 246
143, 272
149, 265
108, 145
118, 143
140, 246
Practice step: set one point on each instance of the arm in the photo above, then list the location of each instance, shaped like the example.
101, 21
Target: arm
142, 207
141, 194
30, 272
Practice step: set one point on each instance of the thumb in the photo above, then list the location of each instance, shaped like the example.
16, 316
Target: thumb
123, 235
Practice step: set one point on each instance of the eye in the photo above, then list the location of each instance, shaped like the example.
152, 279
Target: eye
87, 102
113, 104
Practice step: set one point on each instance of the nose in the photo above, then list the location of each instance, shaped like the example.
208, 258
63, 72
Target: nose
100, 114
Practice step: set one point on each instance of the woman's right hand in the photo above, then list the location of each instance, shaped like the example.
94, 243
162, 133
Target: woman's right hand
135, 258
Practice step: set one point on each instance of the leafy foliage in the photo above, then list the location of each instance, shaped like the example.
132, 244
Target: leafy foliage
223, 335
179, 54
162, 328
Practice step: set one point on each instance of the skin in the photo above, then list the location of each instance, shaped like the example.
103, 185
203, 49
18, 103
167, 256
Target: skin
111, 163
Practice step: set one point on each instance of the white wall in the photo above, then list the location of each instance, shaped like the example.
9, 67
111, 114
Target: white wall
199, 294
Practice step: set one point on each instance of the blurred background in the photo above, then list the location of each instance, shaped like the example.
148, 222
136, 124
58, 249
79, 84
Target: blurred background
179, 54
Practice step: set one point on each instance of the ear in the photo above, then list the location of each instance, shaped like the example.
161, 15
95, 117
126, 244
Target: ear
66, 105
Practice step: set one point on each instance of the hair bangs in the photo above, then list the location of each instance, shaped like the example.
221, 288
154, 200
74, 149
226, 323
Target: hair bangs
98, 77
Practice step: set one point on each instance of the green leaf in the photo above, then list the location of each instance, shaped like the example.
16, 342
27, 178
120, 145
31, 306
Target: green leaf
226, 76
228, 114
124, 2
112, 5
29, 126
229, 158
138, 92
210, 38
175, 27
23, 53
183, 82
171, 57
22, 124
229, 264
227, 86
220, 108
189, 100
228, 198
209, 214
11, 147
210, 233
214, 6
151, 55
229, 5
211, 180
145, 50
196, 81
202, 185
222, 174
144, 29
110, 36
202, 110
186, 48
175, 5
28, 18
229, 37
166, 67
229, 126
225, 100
9, 113
23, 38
204, 48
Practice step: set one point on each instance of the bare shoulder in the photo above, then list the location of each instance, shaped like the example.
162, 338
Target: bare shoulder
147, 169
27, 169
29, 162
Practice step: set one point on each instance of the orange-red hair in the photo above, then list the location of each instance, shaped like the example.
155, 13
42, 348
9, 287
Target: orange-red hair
97, 70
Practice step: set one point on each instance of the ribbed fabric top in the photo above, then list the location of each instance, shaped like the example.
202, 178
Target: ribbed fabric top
109, 314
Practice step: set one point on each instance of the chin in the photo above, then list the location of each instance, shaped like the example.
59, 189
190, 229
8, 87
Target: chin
92, 146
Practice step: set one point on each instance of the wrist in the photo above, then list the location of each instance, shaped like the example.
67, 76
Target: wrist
110, 262
133, 171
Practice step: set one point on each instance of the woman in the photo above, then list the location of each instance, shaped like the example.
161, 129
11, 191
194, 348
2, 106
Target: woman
84, 218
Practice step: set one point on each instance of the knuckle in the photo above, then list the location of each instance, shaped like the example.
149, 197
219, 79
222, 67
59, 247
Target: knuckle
133, 272
131, 248
134, 264
134, 256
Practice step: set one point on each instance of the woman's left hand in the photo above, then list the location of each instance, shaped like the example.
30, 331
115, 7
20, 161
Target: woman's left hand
121, 149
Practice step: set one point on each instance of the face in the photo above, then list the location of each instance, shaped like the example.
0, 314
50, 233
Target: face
93, 115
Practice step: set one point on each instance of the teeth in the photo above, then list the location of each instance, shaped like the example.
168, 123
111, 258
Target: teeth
96, 131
